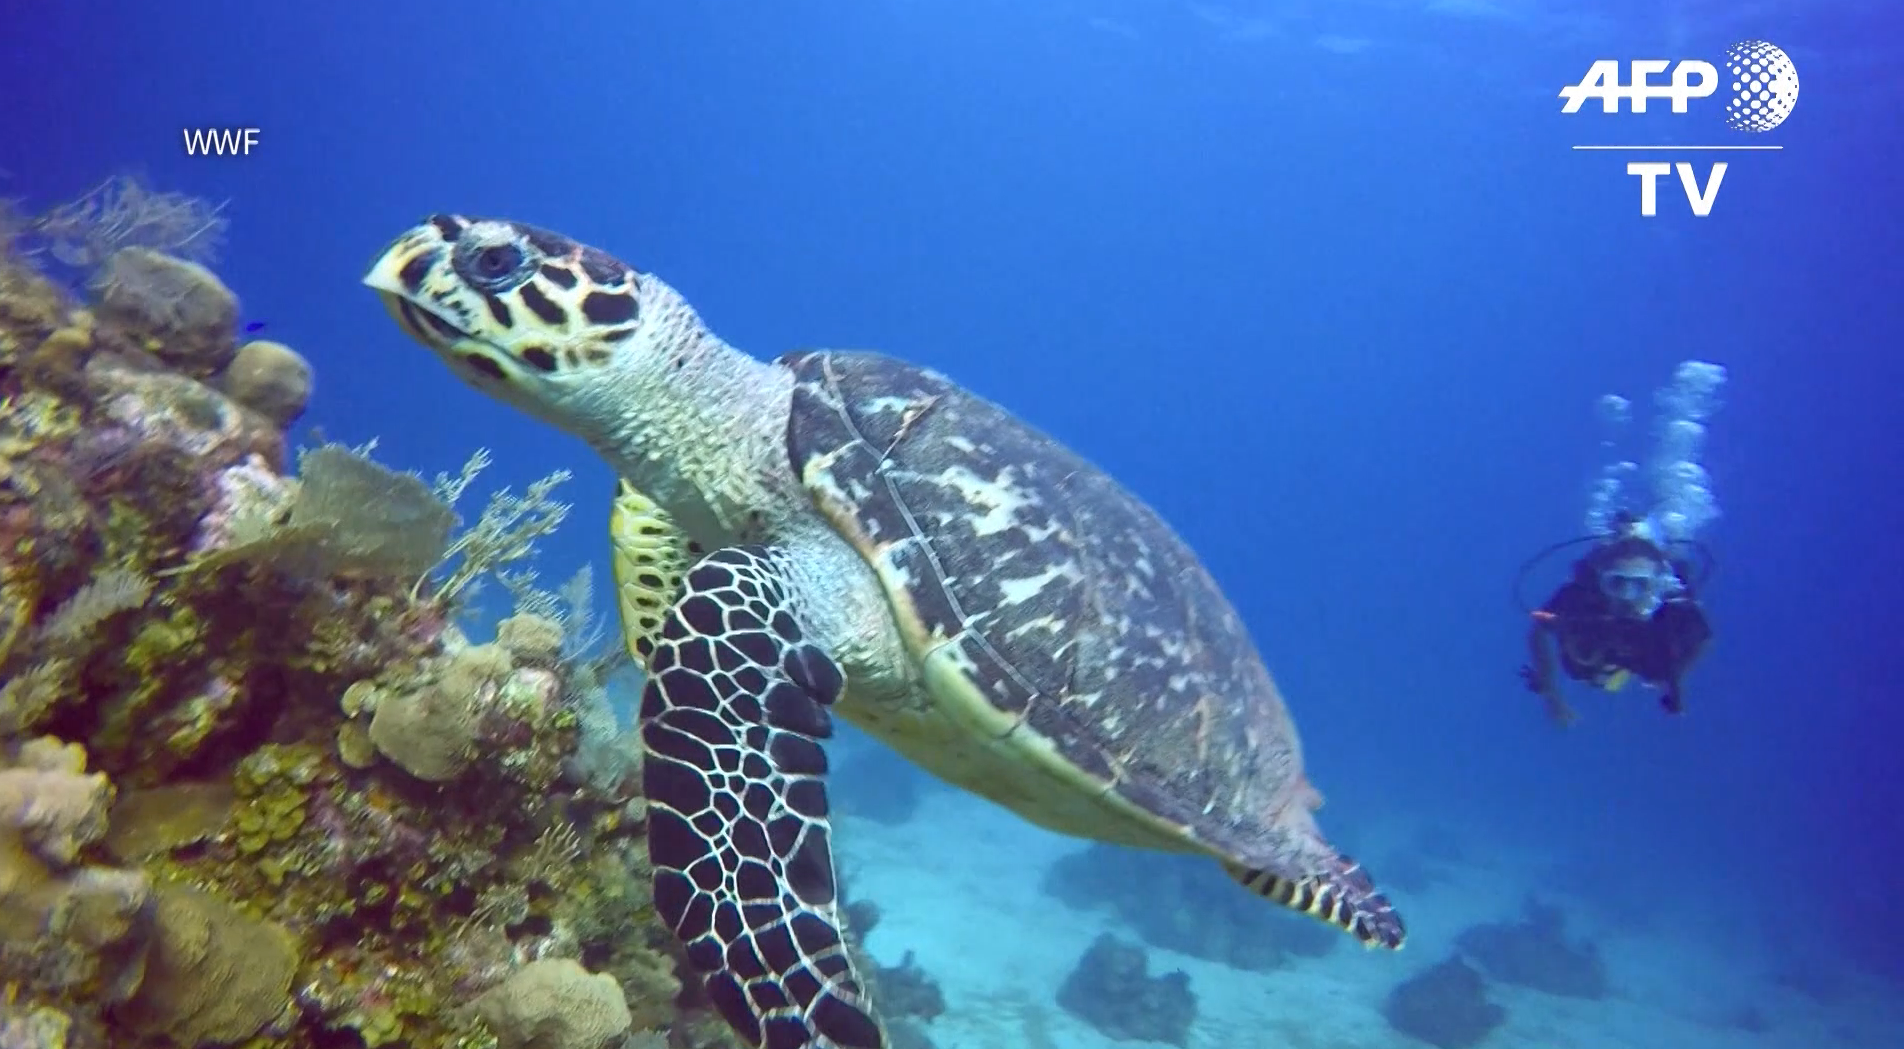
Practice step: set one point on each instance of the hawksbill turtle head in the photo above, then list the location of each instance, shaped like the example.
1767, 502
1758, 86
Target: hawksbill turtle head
531, 317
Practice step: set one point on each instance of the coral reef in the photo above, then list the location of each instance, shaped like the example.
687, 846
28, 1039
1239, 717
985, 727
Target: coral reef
907, 996
907, 991
1112, 990
256, 789
1535, 952
1188, 905
1445, 1005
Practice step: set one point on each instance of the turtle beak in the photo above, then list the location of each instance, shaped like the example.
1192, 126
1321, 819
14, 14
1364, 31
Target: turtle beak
425, 326
399, 276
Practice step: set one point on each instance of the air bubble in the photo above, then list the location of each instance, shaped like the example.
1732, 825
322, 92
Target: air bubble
1682, 498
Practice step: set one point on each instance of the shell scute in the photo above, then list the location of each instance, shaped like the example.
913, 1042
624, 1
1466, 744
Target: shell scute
1052, 591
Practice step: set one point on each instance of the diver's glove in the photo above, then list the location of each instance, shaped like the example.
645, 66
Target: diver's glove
1542, 685
1671, 701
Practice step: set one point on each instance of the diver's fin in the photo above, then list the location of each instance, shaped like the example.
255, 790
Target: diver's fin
1343, 896
650, 555
1558, 710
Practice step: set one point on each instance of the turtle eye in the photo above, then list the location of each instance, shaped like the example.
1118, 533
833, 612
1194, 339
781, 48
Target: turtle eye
498, 260
493, 267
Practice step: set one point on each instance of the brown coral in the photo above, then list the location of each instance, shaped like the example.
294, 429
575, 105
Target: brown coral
51, 803
152, 822
555, 1004
432, 732
213, 975
348, 515
429, 733
271, 379
184, 313
533, 640
65, 929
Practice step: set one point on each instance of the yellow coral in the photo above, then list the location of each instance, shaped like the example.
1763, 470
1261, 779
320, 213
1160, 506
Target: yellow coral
29, 303
361, 698
28, 695
380, 1026
273, 783
43, 1027
161, 641
19, 593
34, 418
270, 818
58, 363
354, 746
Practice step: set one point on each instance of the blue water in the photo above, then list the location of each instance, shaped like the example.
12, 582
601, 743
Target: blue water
1322, 282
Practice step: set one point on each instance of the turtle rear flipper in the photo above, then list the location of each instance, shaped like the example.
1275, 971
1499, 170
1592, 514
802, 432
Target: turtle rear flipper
735, 705
1344, 896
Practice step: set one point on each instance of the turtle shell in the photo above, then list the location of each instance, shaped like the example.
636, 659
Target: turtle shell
1057, 595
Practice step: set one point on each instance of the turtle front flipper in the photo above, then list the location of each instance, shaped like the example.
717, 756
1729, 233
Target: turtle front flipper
650, 556
1343, 896
735, 705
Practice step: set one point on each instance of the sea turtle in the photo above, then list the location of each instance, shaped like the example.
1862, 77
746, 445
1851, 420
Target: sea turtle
846, 532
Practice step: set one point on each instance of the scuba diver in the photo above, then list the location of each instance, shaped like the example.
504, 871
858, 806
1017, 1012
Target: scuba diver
1628, 611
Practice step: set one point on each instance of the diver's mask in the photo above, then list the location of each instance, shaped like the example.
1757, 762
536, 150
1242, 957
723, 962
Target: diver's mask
1638, 586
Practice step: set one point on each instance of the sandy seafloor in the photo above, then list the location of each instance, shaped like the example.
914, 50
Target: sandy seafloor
959, 885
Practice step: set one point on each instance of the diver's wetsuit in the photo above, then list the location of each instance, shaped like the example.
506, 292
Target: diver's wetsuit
1596, 642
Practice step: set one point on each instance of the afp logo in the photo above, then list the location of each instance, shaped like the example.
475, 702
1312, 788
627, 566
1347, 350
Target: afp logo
1764, 86
1763, 83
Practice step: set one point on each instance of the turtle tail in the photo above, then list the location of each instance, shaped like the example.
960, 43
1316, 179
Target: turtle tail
1344, 896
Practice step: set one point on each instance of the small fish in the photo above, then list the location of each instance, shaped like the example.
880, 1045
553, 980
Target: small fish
254, 327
